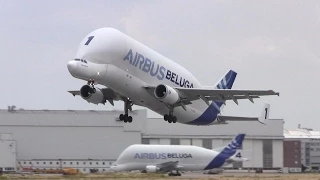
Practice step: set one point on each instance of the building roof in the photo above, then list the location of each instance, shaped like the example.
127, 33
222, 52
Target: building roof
46, 111
301, 133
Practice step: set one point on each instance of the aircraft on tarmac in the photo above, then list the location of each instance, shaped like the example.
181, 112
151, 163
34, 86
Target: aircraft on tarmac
137, 75
169, 158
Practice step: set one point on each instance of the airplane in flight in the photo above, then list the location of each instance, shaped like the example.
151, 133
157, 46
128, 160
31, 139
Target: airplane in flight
152, 158
137, 75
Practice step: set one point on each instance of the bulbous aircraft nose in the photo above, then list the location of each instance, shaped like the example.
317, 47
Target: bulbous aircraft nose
72, 66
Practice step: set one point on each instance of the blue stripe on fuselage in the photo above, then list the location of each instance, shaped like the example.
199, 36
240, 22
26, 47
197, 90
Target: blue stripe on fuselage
209, 115
220, 159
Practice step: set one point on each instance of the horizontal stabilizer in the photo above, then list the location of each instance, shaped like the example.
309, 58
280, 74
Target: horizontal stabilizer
237, 157
263, 118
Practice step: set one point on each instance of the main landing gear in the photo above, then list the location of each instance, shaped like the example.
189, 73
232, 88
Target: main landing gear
169, 117
125, 117
174, 174
91, 83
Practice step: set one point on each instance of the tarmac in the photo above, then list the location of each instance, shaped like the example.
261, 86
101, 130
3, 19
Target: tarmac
189, 176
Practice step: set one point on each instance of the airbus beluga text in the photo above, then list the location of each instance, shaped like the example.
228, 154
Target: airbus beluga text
137, 75
168, 158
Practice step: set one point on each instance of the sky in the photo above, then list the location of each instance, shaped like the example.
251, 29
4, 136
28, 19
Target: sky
270, 44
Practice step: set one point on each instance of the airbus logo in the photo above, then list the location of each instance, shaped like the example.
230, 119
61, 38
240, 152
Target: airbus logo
161, 155
156, 70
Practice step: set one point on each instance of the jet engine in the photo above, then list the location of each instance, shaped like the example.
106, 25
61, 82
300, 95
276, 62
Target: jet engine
152, 169
166, 94
91, 95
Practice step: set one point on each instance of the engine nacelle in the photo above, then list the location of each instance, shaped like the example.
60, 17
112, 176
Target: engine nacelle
152, 169
88, 94
167, 94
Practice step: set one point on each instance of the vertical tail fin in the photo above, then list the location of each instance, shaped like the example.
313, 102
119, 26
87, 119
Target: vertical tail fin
228, 151
226, 82
233, 145
236, 143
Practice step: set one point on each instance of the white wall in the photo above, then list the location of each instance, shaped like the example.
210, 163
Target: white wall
8, 154
273, 130
257, 150
226, 141
185, 141
6, 136
196, 142
247, 147
71, 135
252, 149
82, 165
97, 135
154, 141
72, 142
217, 143
277, 153
165, 141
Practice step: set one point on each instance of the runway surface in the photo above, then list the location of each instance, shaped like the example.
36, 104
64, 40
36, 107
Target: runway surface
189, 176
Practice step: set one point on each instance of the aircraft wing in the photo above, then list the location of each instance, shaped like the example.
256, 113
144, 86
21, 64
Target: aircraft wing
210, 94
109, 94
169, 166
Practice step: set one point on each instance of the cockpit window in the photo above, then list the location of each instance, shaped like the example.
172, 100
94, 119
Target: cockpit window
82, 60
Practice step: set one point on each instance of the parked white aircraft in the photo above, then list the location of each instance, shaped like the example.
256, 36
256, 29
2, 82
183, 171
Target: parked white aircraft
169, 158
138, 75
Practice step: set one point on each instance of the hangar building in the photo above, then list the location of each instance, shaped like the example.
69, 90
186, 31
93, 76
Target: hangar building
302, 146
51, 139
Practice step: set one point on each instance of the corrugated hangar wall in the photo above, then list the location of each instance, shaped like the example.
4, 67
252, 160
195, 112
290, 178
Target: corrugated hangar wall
98, 135
70, 134
263, 144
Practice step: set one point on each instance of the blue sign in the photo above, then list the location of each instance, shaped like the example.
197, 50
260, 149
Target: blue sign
161, 155
147, 65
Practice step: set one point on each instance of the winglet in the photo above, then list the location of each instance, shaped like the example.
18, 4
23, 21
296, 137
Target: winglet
264, 117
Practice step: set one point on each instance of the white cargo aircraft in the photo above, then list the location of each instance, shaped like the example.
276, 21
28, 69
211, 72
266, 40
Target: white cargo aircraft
169, 158
138, 75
